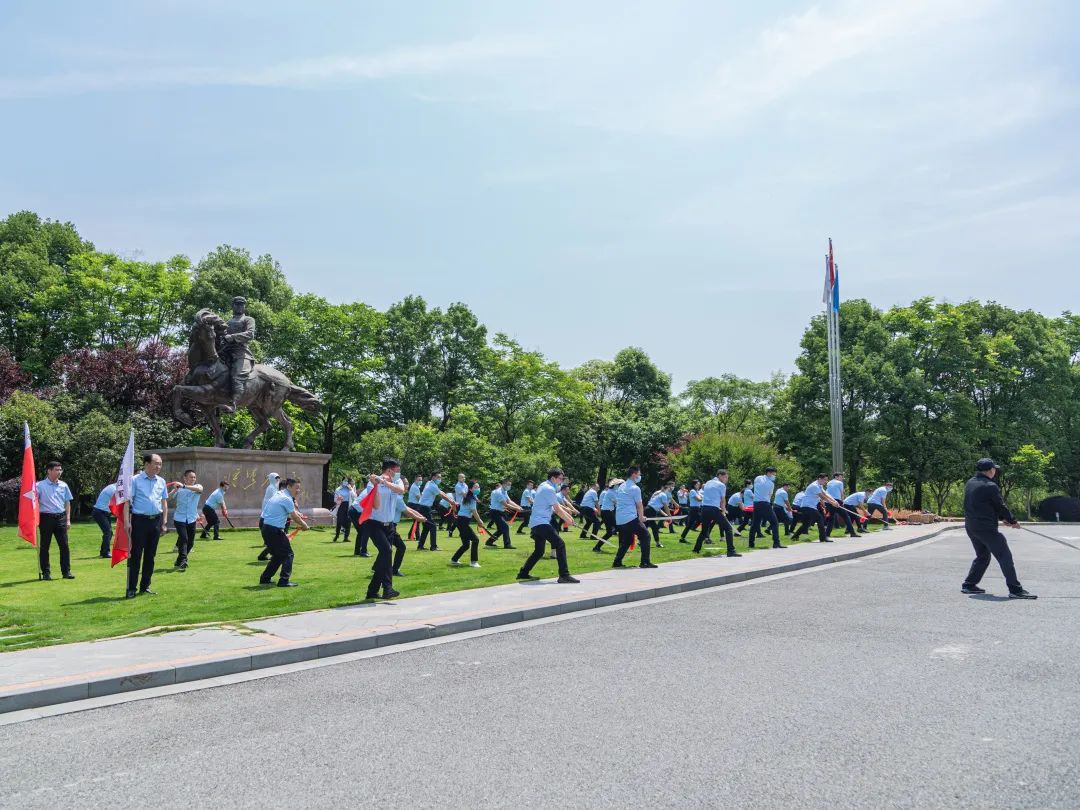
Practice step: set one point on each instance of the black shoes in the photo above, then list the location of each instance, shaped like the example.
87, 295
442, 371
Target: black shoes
509, 546
489, 544
777, 545
824, 540
1021, 594
265, 582
183, 566
969, 589
735, 554
129, 595
619, 565
648, 565
286, 584
521, 575
46, 577
147, 592
568, 580
69, 575
659, 544
361, 554
397, 573
390, 593
105, 555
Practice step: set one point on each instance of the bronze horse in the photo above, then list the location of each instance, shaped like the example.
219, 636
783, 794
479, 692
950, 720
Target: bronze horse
207, 384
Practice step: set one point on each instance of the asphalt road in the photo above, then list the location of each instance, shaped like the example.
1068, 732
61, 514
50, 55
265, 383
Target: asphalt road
871, 684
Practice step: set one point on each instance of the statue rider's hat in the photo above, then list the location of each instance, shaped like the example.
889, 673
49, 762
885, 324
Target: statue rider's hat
239, 299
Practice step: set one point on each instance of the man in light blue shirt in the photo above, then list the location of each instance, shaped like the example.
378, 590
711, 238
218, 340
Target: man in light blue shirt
855, 502
590, 510
546, 506
835, 490
383, 518
499, 502
428, 495
526, 506
607, 513
713, 496
273, 481
144, 515
414, 492
449, 520
187, 494
876, 503
276, 513
103, 517
810, 509
343, 498
214, 501
54, 519
657, 507
782, 508
630, 519
694, 499
761, 493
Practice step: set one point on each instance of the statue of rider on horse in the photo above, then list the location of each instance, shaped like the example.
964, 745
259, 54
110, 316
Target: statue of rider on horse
223, 377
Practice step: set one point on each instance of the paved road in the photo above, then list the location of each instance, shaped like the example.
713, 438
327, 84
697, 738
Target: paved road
867, 684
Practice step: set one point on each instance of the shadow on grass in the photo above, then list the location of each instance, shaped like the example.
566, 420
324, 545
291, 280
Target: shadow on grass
19, 582
95, 600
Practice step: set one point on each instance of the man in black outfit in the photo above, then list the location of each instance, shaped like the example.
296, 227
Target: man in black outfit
983, 507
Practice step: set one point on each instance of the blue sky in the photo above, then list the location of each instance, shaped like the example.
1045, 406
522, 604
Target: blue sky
585, 176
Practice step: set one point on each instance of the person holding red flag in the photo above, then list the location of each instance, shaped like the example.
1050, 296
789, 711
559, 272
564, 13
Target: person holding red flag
54, 503
381, 512
145, 513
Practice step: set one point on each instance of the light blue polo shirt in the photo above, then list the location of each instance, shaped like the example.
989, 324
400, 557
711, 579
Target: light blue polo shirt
684, 498
696, 498
498, 498
467, 509
215, 498
527, 496
781, 497
590, 499
278, 509
627, 497
430, 493
607, 499
52, 497
855, 499
105, 497
543, 503
763, 489
735, 499
835, 488
879, 496
399, 508
384, 512
659, 500
460, 488
797, 503
344, 492
414, 492
712, 494
187, 506
810, 497
748, 496
147, 494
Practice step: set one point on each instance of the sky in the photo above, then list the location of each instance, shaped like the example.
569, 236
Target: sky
585, 176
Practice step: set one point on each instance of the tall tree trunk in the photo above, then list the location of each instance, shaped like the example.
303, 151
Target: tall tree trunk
916, 502
327, 447
602, 477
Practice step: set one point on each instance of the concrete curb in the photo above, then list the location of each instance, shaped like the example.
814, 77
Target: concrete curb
155, 675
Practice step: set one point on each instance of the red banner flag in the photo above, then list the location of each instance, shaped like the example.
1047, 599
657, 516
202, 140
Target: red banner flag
121, 542
367, 503
28, 502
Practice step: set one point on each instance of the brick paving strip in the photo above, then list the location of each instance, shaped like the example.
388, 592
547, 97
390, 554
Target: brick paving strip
68, 672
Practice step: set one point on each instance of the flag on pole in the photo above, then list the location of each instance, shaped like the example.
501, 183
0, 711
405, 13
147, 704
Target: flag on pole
830, 295
28, 503
121, 542
367, 504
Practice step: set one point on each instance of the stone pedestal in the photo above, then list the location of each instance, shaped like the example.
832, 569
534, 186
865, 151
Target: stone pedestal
246, 472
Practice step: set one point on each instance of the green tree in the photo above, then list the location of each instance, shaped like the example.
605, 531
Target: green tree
743, 456
1027, 471
409, 356
731, 404
460, 348
49, 436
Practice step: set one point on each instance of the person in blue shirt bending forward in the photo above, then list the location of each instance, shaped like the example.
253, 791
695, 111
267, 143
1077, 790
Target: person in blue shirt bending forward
630, 518
278, 511
761, 491
545, 504
500, 500
187, 494
103, 517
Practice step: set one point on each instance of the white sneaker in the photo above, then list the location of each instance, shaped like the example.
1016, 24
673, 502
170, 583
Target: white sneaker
455, 563
474, 565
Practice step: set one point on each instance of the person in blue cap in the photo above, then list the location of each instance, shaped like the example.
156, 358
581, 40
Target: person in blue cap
983, 508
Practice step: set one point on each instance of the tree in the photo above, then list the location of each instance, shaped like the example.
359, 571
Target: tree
48, 434
12, 377
460, 344
1027, 471
733, 404
409, 356
95, 446
127, 378
701, 455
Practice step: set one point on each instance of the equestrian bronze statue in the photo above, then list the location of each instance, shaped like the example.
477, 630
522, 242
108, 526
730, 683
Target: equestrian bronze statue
223, 377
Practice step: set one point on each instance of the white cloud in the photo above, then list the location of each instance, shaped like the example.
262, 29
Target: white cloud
458, 56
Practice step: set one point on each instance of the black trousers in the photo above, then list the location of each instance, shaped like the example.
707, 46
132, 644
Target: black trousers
786, 520
734, 515
627, 532
763, 513
54, 525
590, 521
877, 507
446, 519
542, 535
714, 516
693, 520
104, 521
986, 544
342, 524
841, 516
807, 517
185, 539
363, 532
281, 554
399, 549
523, 520
383, 571
469, 541
654, 525
145, 533
212, 522
610, 529
502, 528
429, 527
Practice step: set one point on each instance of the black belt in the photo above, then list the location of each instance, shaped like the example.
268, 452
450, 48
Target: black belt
145, 517
53, 514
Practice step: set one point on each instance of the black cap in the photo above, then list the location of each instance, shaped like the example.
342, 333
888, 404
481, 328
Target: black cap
984, 464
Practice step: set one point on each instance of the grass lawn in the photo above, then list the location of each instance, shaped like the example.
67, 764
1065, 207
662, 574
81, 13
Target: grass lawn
221, 584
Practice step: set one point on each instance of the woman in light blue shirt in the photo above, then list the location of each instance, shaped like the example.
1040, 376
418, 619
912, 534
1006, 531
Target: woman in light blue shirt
466, 514
187, 494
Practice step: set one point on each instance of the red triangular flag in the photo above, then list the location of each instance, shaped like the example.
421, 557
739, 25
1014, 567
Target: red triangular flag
28, 501
121, 542
367, 504
412, 531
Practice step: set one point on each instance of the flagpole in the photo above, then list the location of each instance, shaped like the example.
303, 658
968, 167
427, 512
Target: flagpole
832, 327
